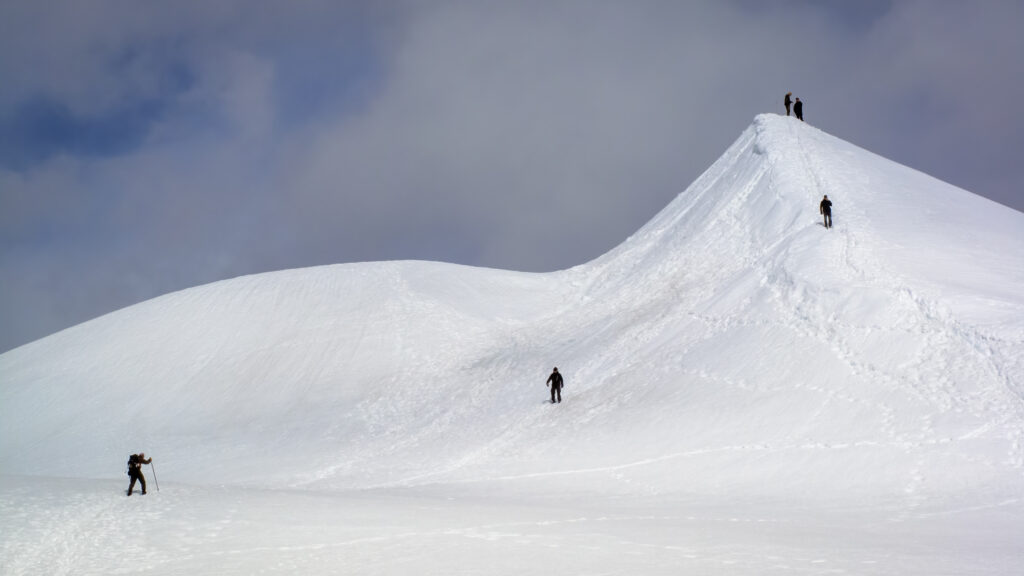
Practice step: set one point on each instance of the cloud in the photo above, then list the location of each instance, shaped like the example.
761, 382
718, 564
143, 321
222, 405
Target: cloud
502, 139
145, 149
941, 101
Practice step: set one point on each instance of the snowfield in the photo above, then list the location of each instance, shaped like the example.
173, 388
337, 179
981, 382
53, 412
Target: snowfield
747, 392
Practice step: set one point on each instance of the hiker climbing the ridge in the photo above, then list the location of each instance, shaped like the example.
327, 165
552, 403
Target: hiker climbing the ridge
135, 462
788, 102
798, 109
555, 383
826, 210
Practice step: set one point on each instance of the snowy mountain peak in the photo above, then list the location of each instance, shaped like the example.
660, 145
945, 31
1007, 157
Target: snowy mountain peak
732, 345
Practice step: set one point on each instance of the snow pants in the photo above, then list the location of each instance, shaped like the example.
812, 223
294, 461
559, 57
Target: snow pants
556, 390
141, 479
828, 218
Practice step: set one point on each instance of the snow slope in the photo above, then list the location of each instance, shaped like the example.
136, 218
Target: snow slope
731, 351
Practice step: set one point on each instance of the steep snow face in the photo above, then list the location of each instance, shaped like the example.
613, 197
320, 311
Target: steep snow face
731, 346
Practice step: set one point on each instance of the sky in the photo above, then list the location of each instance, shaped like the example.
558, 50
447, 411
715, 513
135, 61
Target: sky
149, 148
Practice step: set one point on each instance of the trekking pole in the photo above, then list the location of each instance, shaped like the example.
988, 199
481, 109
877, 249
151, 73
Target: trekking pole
155, 481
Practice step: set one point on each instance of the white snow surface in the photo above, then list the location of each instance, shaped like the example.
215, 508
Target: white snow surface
747, 392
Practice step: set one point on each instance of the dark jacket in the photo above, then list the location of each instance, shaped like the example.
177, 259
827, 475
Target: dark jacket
555, 380
135, 463
826, 206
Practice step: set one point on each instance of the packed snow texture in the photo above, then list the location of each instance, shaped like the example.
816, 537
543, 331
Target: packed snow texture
747, 392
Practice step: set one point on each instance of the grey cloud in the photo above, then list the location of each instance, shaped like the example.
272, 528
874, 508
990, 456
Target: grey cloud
928, 88
526, 135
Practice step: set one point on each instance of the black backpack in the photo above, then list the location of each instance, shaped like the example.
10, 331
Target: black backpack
133, 463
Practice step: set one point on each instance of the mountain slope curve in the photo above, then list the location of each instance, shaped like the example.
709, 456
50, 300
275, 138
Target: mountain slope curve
732, 345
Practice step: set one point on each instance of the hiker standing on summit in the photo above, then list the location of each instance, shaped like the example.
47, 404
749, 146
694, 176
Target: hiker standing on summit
555, 382
826, 210
135, 462
788, 102
798, 109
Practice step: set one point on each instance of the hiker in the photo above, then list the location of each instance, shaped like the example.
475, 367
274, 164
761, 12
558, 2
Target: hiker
798, 109
788, 101
555, 383
826, 210
135, 462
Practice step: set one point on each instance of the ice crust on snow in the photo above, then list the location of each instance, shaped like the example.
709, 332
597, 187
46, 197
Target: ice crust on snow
732, 348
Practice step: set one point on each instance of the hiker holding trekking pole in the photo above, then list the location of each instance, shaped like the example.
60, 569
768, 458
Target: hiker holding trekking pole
135, 462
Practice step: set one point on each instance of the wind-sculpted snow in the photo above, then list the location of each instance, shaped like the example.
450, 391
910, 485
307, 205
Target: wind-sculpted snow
732, 342
731, 348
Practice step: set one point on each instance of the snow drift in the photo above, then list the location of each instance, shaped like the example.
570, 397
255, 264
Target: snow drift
731, 346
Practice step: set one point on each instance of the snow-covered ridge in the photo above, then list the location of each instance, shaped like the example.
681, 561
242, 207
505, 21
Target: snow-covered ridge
731, 345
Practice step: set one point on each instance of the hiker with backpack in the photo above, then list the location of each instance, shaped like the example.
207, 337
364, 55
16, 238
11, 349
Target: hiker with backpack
135, 462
